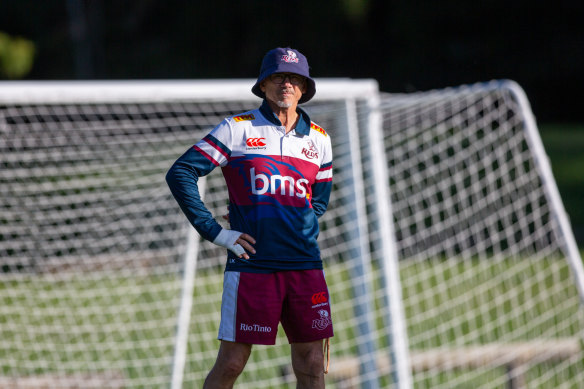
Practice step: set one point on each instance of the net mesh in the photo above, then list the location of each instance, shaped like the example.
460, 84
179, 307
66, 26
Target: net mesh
92, 246
482, 257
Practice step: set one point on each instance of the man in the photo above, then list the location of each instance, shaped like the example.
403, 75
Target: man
277, 166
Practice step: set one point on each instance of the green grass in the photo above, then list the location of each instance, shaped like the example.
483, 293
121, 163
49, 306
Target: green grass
462, 288
78, 324
75, 325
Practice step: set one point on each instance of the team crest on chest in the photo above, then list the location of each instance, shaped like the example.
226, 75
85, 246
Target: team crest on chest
310, 151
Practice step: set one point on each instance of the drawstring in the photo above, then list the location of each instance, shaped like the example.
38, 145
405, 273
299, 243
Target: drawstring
326, 350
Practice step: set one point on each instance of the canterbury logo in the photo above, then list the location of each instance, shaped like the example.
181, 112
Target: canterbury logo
255, 142
318, 298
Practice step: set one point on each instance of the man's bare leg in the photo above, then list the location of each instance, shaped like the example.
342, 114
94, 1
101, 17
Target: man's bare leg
307, 363
230, 362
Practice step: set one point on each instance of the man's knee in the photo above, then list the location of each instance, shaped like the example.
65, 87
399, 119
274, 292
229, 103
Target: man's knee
231, 367
308, 360
230, 362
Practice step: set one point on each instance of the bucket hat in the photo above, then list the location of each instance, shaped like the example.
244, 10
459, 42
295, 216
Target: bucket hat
285, 60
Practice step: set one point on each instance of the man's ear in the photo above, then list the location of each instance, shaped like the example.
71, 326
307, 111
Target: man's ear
263, 86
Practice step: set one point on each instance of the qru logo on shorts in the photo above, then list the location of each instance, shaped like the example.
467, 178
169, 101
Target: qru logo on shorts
323, 322
291, 57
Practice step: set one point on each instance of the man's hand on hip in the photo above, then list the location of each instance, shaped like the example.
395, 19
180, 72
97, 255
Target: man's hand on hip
236, 242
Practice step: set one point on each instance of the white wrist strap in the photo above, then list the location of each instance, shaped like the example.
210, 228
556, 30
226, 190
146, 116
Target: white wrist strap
227, 238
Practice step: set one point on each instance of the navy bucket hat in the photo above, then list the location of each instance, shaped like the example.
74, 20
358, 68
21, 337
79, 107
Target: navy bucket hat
285, 60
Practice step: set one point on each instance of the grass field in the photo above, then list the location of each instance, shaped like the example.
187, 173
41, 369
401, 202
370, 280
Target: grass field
127, 323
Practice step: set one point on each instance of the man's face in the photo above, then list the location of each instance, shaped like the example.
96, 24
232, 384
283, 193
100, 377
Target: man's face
284, 89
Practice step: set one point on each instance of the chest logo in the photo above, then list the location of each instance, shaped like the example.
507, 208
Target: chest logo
255, 143
310, 152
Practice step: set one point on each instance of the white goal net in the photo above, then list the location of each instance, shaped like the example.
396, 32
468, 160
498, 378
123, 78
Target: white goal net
491, 276
448, 255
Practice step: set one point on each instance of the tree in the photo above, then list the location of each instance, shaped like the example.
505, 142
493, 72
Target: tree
16, 56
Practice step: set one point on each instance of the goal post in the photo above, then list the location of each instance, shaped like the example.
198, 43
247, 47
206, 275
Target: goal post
186, 300
86, 161
488, 263
381, 218
552, 193
449, 257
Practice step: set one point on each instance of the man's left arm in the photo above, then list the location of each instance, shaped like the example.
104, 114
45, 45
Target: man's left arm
321, 189
320, 196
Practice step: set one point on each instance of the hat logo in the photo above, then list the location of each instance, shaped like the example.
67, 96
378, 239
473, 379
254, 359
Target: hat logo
291, 57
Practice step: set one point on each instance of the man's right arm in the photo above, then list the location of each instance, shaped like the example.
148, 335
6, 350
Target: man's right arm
182, 179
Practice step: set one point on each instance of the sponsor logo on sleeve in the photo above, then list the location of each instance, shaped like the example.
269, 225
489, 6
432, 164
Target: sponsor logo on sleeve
242, 118
318, 128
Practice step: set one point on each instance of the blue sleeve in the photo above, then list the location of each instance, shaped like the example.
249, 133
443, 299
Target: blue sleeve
182, 179
321, 189
321, 192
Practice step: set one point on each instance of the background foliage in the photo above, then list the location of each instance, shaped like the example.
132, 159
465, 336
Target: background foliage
16, 56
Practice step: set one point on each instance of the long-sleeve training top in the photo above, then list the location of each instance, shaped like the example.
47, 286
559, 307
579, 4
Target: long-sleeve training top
278, 184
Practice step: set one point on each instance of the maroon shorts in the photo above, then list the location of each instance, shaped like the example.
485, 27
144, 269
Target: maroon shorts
253, 305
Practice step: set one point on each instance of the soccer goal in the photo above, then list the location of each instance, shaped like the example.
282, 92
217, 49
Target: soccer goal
449, 257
